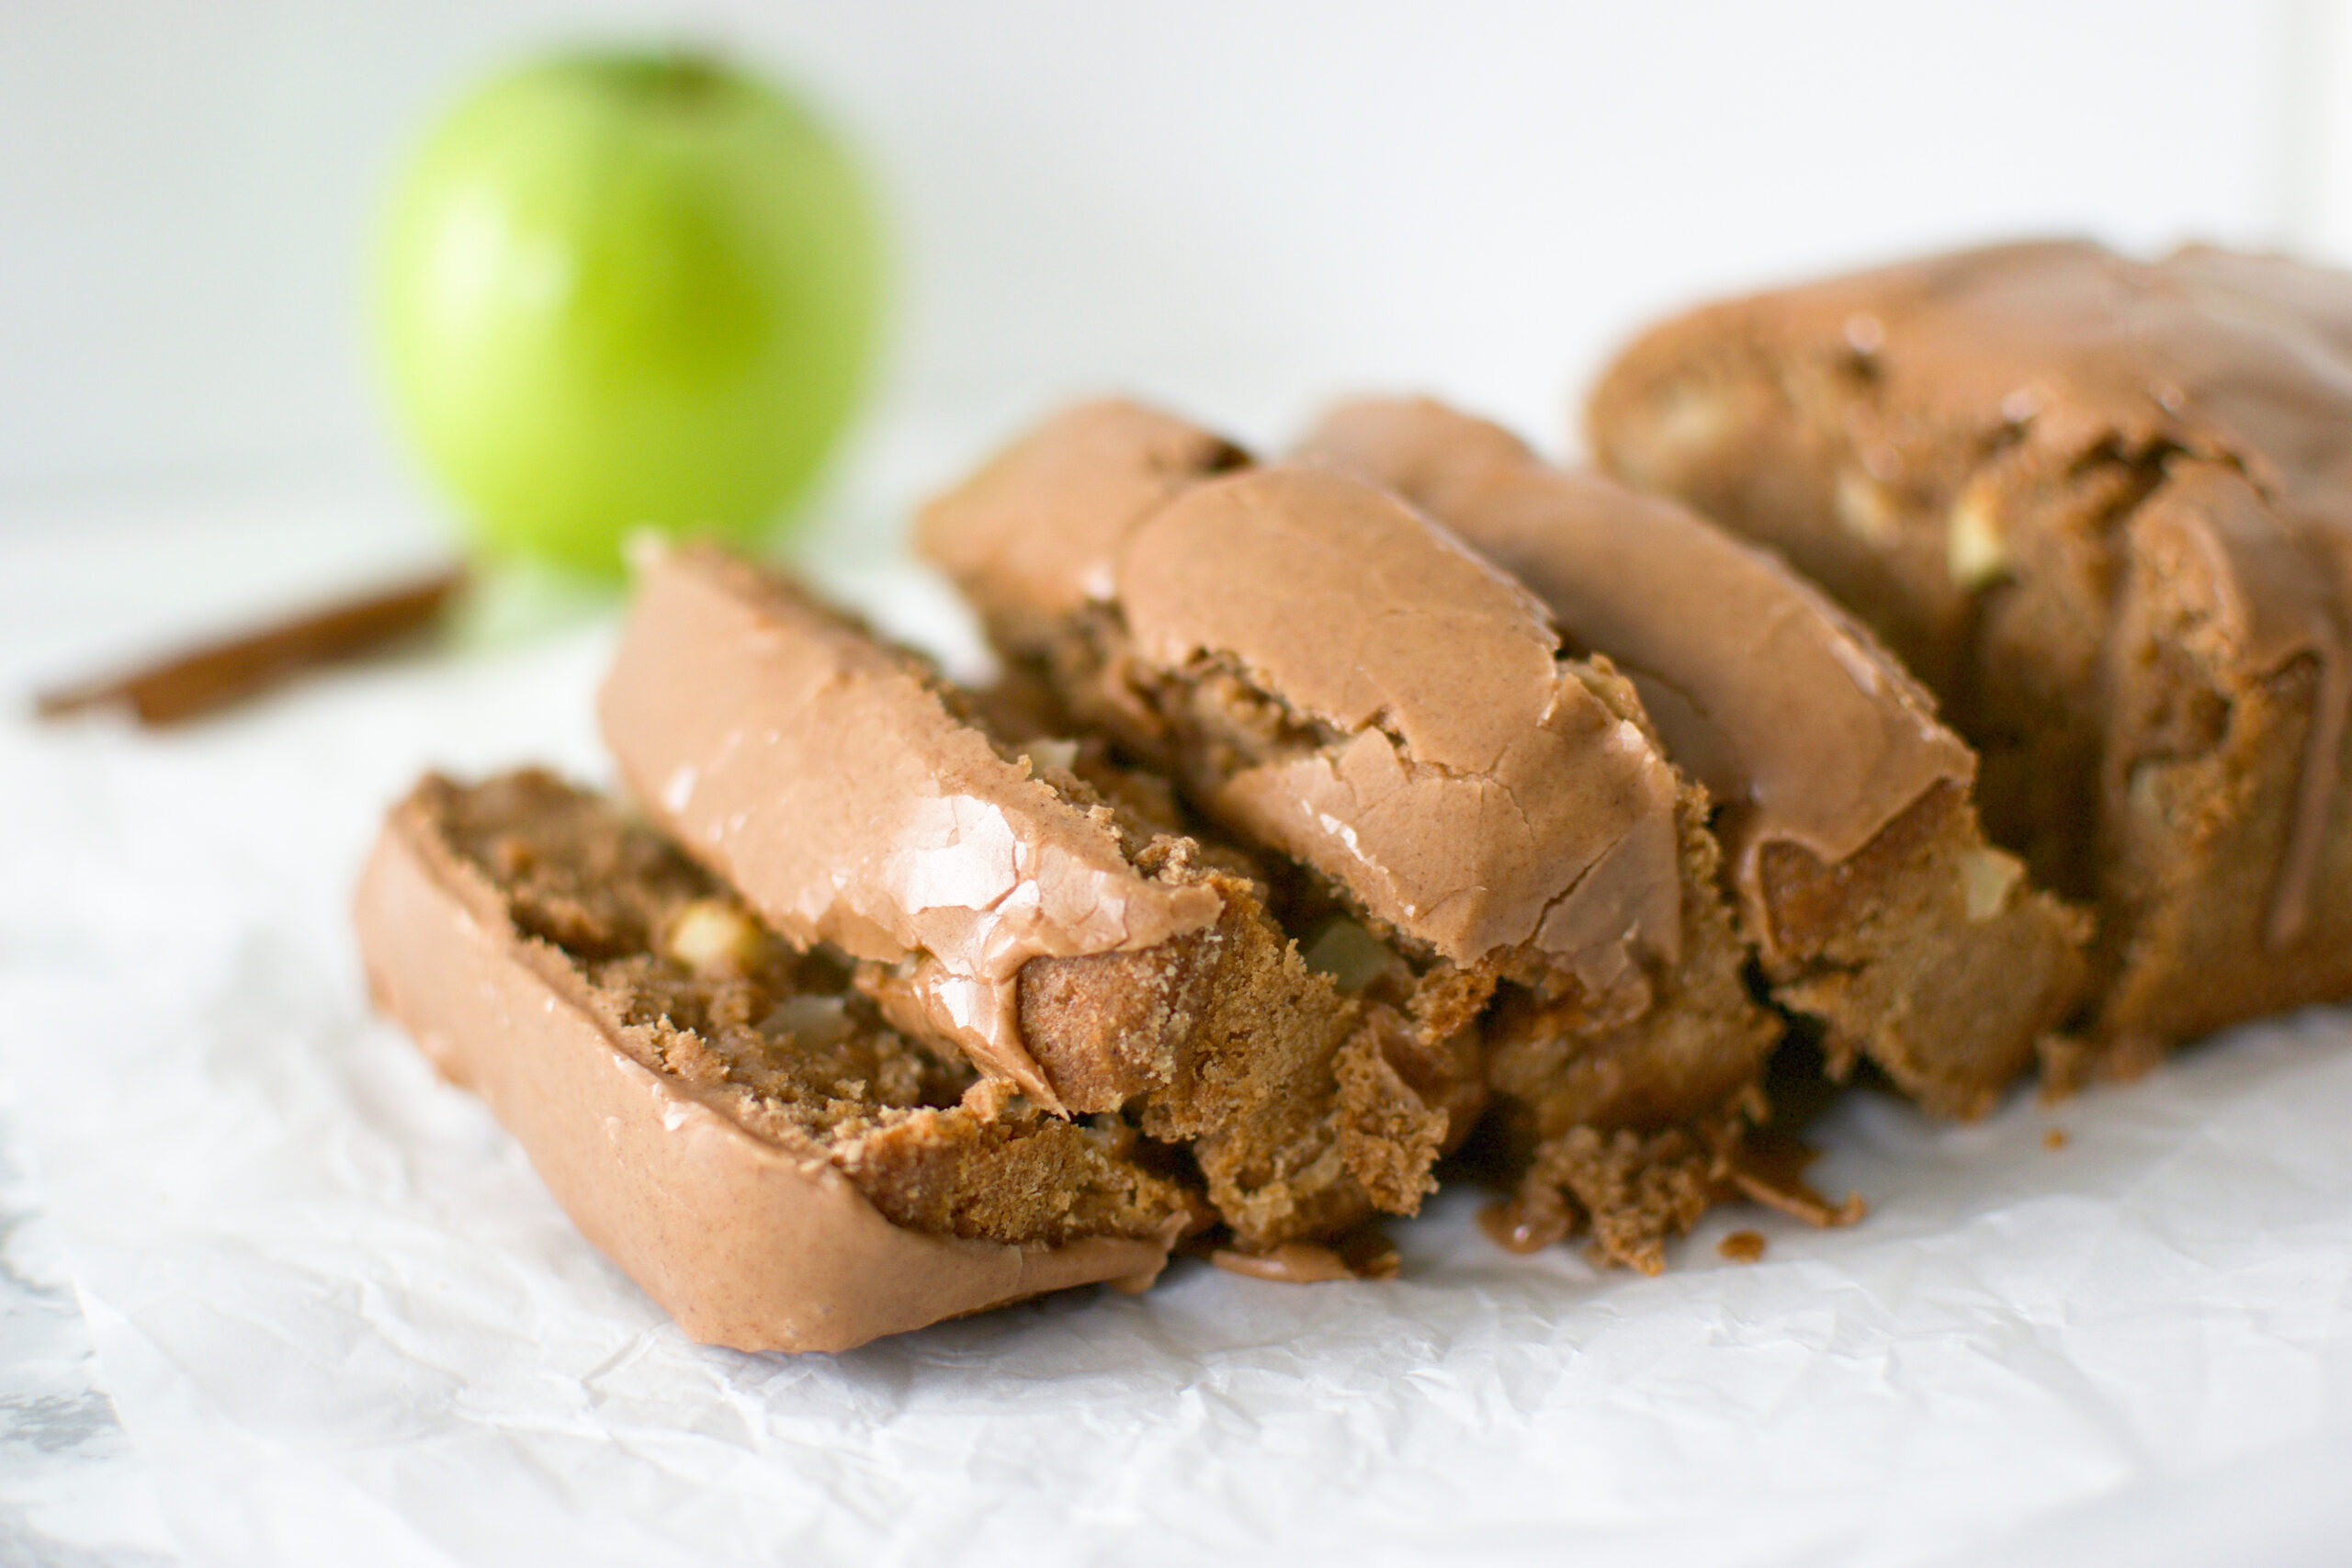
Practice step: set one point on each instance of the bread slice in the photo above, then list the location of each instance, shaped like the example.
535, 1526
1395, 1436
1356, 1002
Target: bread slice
1854, 856
724, 1118
1005, 906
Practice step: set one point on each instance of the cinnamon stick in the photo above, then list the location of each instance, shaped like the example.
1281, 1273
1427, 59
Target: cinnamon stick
210, 676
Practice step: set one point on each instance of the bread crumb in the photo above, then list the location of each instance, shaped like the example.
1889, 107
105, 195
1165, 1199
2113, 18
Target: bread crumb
1742, 1247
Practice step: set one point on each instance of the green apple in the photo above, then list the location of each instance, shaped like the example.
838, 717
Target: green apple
626, 289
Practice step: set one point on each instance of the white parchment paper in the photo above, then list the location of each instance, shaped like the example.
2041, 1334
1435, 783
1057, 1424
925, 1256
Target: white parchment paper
345, 1324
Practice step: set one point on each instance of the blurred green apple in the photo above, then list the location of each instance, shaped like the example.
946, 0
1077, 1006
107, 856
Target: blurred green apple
620, 290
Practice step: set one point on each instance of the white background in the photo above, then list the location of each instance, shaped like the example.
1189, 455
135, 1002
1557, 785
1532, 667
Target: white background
1243, 207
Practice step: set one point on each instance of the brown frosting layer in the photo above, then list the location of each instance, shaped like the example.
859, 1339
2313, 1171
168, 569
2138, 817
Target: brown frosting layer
825, 776
1803, 729
2238, 361
749, 1241
1432, 751
1467, 788
1037, 526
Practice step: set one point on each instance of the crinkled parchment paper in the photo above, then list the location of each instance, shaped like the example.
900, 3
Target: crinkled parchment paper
343, 1323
